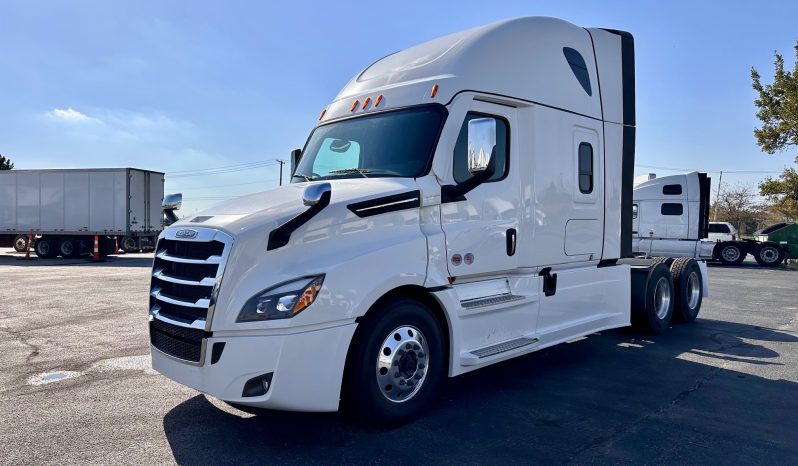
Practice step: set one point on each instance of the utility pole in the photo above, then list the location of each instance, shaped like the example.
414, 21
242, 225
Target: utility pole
281, 162
717, 198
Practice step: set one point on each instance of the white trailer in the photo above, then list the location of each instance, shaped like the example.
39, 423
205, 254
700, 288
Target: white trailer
64, 208
670, 217
459, 203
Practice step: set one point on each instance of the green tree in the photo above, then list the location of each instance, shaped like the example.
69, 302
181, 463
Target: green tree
777, 109
6, 164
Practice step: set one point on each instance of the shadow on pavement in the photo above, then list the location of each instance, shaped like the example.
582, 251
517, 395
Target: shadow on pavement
131, 260
616, 397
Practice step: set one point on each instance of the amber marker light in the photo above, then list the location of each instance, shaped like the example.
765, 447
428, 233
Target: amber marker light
377, 102
354, 105
434, 91
366, 102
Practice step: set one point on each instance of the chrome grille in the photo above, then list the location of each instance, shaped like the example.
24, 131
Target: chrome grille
186, 276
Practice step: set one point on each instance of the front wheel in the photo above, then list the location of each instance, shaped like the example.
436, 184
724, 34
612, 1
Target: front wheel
395, 363
769, 254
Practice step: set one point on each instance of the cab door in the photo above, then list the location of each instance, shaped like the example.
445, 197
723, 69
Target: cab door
481, 227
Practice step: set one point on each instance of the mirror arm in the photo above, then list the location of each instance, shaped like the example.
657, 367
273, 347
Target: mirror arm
457, 192
280, 236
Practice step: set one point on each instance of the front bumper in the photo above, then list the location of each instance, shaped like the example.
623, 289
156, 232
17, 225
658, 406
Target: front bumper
308, 367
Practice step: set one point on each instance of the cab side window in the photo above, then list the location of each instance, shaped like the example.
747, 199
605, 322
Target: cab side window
461, 172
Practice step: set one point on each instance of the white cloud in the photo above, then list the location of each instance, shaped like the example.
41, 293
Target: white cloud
68, 114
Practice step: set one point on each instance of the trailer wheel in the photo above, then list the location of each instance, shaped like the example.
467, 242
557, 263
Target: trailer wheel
652, 298
769, 254
395, 363
21, 243
129, 244
729, 253
46, 247
69, 248
689, 287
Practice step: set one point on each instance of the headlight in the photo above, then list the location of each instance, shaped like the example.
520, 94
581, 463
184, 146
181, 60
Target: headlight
282, 301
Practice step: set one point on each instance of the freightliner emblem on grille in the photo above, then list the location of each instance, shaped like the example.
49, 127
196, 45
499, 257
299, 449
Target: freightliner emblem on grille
186, 233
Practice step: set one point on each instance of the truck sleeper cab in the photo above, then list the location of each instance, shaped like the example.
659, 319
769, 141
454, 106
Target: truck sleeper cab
462, 202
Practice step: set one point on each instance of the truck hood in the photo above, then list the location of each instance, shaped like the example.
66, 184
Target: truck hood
271, 208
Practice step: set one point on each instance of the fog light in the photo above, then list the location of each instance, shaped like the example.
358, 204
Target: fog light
258, 386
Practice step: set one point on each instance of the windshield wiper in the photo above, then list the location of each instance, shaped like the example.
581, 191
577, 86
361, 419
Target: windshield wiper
307, 178
346, 171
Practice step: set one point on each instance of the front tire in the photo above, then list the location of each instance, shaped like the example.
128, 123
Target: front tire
688, 284
395, 364
769, 254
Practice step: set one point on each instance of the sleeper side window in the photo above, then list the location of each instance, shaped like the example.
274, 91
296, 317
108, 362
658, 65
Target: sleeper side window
585, 168
461, 172
672, 208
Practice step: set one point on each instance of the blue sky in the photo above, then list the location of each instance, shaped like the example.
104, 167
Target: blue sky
177, 86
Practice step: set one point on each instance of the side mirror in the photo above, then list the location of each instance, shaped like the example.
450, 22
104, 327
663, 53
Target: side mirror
172, 201
296, 155
481, 142
481, 159
316, 194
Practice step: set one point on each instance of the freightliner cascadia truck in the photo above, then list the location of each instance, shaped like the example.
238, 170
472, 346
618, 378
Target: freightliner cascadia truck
670, 218
459, 203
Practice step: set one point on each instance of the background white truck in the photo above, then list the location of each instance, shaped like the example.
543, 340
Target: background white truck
62, 209
461, 202
671, 218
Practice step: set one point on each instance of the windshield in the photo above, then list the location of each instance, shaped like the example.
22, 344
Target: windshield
396, 143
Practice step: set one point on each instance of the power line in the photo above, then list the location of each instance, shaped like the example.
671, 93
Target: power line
218, 168
223, 171
742, 172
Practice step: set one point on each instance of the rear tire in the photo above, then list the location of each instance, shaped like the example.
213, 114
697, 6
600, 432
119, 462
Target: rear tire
129, 244
21, 243
69, 248
688, 284
652, 308
46, 247
729, 253
395, 363
769, 254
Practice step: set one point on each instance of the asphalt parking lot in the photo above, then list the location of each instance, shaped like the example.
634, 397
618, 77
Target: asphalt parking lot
75, 386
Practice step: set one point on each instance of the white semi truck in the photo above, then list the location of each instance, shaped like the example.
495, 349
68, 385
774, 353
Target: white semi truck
670, 217
462, 202
60, 210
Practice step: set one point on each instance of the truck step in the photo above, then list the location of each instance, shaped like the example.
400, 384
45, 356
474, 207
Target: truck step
470, 358
490, 301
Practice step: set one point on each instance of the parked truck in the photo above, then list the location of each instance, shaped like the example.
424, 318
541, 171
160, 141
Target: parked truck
61, 210
670, 217
459, 203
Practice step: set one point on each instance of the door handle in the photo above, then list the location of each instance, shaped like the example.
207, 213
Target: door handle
511, 237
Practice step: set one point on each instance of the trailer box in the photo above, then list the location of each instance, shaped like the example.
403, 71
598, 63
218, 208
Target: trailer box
107, 201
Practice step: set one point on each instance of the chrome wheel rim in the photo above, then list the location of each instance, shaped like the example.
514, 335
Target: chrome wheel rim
402, 364
693, 290
662, 298
21, 244
731, 253
768, 254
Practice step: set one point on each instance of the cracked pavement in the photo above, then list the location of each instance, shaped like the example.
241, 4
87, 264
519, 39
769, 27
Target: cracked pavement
75, 387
